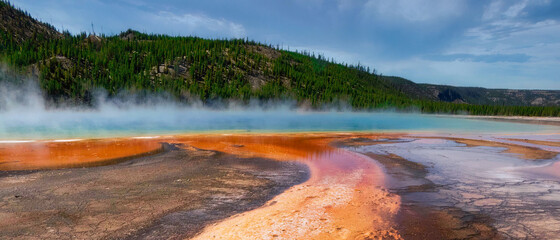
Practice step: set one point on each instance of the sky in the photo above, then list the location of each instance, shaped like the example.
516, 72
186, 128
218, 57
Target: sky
486, 43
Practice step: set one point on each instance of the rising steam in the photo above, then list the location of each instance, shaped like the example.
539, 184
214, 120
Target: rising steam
25, 115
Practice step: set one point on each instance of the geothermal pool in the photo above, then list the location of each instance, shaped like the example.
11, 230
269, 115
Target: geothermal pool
145, 121
280, 174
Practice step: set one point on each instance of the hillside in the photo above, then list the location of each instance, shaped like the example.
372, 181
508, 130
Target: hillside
72, 68
475, 95
21, 26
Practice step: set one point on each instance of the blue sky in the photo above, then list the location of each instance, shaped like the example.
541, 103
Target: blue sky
495, 44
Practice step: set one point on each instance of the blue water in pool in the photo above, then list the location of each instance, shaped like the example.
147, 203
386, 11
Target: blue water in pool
113, 122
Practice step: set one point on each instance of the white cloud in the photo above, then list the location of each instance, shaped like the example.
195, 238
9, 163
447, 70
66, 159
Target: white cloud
469, 73
413, 10
195, 23
500, 9
340, 56
516, 9
505, 30
492, 10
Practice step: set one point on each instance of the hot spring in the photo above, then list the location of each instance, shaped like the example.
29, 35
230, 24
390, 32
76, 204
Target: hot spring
25, 124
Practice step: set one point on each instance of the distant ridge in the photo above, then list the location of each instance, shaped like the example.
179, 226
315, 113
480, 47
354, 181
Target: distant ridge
72, 67
476, 95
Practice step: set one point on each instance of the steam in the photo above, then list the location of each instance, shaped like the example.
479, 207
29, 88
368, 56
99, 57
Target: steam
24, 114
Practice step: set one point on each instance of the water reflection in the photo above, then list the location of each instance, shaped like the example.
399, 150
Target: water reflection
485, 180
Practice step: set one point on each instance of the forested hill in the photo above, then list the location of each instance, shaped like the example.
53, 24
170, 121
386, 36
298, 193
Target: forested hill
72, 67
476, 95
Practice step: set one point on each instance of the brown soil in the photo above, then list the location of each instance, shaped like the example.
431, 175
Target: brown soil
421, 222
173, 194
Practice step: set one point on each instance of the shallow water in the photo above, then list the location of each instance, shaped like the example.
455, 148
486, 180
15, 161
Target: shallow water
484, 180
173, 120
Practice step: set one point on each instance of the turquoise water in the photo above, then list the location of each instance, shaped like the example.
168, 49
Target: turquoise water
159, 121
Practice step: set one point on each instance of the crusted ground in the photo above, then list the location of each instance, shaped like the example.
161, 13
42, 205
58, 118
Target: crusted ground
168, 195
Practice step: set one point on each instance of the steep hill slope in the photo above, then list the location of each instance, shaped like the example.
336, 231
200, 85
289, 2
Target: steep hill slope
21, 26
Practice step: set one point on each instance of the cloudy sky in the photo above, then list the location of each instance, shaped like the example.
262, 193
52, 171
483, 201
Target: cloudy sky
495, 44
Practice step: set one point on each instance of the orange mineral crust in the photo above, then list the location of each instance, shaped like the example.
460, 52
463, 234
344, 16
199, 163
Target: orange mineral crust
538, 142
63, 154
286, 146
343, 199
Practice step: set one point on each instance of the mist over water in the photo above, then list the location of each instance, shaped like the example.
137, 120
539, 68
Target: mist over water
25, 115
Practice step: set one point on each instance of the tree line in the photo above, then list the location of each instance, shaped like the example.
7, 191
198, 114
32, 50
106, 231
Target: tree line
72, 67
